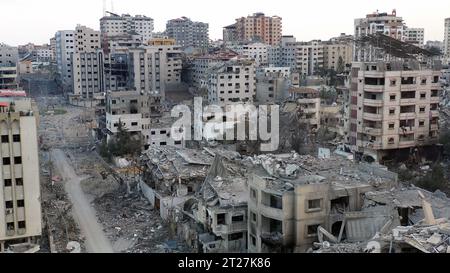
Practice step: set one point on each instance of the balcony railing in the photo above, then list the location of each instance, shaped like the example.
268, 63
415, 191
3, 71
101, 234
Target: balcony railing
371, 116
374, 103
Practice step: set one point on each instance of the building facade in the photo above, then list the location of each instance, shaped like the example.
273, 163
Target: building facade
65, 47
9, 58
117, 25
447, 38
258, 52
256, 28
188, 33
415, 36
393, 106
20, 203
232, 82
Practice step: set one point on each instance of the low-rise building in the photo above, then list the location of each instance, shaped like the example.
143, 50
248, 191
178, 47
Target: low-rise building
8, 66
308, 100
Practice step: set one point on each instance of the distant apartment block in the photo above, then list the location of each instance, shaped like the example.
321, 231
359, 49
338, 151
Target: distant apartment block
255, 28
232, 82
20, 200
9, 58
337, 55
88, 74
86, 39
65, 47
258, 52
309, 101
387, 24
155, 68
415, 36
188, 33
394, 105
117, 25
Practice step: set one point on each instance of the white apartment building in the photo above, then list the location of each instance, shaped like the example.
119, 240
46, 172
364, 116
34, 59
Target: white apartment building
9, 58
388, 24
258, 52
160, 130
116, 25
86, 39
155, 68
415, 36
65, 47
393, 105
131, 108
447, 38
20, 200
232, 82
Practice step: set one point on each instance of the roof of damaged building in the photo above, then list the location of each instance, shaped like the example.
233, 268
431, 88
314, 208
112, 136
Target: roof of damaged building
174, 163
226, 183
283, 171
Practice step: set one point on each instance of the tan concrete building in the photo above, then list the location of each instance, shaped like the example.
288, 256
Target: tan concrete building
447, 38
394, 105
309, 102
20, 204
258, 27
334, 53
232, 82
155, 68
87, 40
8, 66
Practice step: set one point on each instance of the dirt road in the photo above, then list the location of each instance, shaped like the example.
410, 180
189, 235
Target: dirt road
96, 241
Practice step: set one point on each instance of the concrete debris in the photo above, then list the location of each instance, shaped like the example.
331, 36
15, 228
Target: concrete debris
74, 247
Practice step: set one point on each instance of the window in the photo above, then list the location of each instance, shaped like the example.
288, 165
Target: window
163, 144
177, 142
163, 132
422, 109
253, 215
276, 202
6, 161
423, 96
235, 236
391, 140
391, 126
8, 182
21, 224
20, 203
392, 111
134, 124
253, 240
19, 182
221, 219
314, 205
237, 218
9, 204
312, 230
421, 123
5, 139
392, 97
254, 194
153, 133
17, 160
393, 82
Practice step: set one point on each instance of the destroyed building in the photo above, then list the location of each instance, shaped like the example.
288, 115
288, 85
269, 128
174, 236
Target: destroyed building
172, 175
291, 196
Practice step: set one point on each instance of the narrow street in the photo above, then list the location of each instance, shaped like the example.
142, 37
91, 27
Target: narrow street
95, 239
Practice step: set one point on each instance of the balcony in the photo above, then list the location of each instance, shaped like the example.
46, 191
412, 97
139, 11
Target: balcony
373, 131
435, 99
410, 115
225, 229
434, 127
408, 87
373, 88
406, 130
406, 144
404, 102
373, 117
434, 113
372, 145
373, 103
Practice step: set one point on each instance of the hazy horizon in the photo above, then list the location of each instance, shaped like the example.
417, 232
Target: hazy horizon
37, 21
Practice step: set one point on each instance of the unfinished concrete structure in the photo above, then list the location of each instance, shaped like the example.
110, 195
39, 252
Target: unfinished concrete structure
309, 101
20, 203
8, 66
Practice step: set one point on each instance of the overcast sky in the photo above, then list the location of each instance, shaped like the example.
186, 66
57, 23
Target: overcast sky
36, 21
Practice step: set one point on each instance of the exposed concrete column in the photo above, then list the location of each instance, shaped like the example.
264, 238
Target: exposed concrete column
2, 247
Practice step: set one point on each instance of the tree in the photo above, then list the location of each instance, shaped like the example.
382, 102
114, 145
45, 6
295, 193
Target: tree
123, 143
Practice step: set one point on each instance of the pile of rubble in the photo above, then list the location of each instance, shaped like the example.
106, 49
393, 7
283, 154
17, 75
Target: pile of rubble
132, 225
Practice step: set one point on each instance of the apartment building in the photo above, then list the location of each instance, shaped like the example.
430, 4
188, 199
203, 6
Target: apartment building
87, 40
447, 38
132, 110
256, 28
9, 58
121, 43
117, 25
160, 132
272, 84
65, 47
201, 64
155, 68
232, 82
258, 52
188, 33
309, 101
337, 56
394, 106
20, 200
387, 24
230, 34
53, 48
415, 36
88, 73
